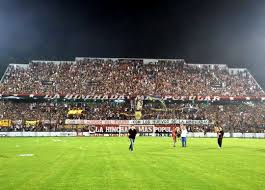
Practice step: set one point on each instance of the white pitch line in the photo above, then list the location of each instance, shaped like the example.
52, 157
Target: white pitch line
25, 155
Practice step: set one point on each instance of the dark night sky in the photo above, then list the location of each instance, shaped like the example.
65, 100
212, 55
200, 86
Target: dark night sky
214, 32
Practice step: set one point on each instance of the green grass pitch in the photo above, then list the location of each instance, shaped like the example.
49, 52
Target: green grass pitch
85, 163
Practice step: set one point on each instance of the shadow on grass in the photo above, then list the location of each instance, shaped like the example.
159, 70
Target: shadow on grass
261, 150
3, 156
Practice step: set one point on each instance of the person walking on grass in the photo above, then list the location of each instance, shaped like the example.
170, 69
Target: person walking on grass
132, 134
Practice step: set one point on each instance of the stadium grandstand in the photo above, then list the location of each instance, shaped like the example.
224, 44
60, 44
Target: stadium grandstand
75, 95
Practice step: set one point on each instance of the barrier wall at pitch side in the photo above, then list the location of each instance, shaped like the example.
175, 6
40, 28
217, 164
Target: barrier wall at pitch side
72, 134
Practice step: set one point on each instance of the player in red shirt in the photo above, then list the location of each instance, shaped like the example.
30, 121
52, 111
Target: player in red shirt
174, 136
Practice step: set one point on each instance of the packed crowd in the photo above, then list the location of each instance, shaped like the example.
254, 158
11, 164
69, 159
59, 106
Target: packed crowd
127, 77
130, 77
236, 117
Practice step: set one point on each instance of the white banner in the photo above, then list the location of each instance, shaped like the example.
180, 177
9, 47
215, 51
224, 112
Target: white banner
260, 135
249, 135
168, 121
136, 122
195, 134
95, 122
237, 135
211, 135
71, 134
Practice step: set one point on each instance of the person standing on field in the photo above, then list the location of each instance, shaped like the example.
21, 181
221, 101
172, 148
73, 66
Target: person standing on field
220, 135
132, 134
174, 136
183, 135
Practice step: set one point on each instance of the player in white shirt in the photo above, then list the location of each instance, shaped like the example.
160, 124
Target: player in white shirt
184, 133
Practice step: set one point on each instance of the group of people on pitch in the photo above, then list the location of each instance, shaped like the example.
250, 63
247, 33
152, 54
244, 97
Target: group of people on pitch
181, 132
177, 132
